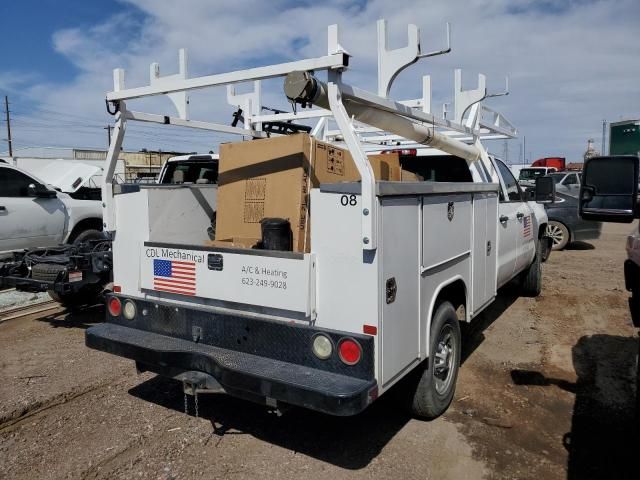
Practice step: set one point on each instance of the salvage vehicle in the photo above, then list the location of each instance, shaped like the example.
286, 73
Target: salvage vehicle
38, 213
73, 262
609, 193
565, 225
317, 292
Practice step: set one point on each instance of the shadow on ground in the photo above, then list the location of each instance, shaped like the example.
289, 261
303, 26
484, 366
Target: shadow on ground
604, 441
348, 442
83, 317
579, 246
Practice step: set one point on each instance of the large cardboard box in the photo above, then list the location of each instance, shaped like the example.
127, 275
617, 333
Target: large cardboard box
272, 178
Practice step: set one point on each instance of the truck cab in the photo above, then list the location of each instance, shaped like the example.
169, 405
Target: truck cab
522, 222
527, 176
197, 169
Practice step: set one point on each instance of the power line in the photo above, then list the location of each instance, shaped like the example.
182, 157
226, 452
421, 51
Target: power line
108, 129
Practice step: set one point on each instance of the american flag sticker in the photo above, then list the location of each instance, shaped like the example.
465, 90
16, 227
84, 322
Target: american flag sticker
526, 226
174, 276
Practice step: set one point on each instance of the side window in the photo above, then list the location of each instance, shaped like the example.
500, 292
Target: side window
14, 183
571, 179
514, 193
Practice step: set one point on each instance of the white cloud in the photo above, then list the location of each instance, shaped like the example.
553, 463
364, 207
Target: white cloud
571, 63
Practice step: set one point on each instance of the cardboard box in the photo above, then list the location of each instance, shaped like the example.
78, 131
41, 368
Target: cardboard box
236, 242
409, 176
272, 178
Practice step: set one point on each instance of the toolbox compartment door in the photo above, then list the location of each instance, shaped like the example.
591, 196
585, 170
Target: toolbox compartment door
400, 285
484, 280
233, 277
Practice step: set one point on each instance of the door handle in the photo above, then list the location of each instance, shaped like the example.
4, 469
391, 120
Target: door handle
520, 215
3, 209
504, 219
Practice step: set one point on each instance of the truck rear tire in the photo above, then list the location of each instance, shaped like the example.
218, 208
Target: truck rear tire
531, 278
433, 391
90, 295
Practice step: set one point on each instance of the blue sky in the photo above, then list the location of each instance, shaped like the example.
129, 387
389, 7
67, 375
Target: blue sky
30, 25
572, 63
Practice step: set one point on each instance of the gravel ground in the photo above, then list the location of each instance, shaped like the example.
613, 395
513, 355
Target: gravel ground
545, 391
12, 299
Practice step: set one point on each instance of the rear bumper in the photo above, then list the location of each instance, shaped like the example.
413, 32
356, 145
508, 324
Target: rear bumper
294, 380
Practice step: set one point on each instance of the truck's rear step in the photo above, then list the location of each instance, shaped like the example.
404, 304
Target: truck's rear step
300, 385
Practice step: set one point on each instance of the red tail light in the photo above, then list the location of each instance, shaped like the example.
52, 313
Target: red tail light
350, 351
114, 306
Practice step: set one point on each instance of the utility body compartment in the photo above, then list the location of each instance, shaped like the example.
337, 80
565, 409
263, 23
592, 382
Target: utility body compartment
431, 234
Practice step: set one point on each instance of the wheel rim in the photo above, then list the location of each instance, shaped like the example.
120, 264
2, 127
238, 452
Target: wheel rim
555, 232
443, 368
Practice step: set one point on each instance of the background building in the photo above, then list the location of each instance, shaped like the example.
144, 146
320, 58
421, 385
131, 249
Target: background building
142, 165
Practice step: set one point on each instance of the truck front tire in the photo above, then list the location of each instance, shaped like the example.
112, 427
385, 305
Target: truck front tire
89, 234
531, 278
433, 390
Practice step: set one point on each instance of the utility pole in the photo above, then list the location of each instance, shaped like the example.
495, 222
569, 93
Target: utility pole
108, 129
603, 148
524, 149
6, 111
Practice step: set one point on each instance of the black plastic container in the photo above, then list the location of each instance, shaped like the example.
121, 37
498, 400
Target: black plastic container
276, 234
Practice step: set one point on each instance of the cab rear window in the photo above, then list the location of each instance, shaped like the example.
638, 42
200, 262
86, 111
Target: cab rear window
191, 172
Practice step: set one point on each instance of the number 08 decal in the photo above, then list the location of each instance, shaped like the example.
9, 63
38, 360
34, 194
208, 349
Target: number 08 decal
348, 200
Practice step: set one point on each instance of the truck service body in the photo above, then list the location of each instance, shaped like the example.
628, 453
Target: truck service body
391, 269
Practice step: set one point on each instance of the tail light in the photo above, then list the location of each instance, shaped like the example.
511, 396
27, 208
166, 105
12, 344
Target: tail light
350, 351
114, 306
322, 346
129, 310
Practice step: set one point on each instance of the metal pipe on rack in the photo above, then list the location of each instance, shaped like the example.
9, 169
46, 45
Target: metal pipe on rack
304, 88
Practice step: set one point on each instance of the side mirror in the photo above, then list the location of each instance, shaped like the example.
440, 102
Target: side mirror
545, 191
609, 189
40, 191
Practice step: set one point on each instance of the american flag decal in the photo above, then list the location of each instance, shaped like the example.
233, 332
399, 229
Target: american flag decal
526, 226
174, 276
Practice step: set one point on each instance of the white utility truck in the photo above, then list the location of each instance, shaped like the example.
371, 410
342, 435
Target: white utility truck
389, 270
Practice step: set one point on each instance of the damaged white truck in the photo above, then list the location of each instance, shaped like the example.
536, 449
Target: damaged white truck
334, 274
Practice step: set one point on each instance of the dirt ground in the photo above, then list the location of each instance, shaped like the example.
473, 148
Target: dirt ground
545, 392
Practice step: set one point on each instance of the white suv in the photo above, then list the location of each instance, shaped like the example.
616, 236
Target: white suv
33, 214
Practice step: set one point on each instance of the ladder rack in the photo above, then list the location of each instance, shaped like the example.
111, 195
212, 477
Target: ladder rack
364, 121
